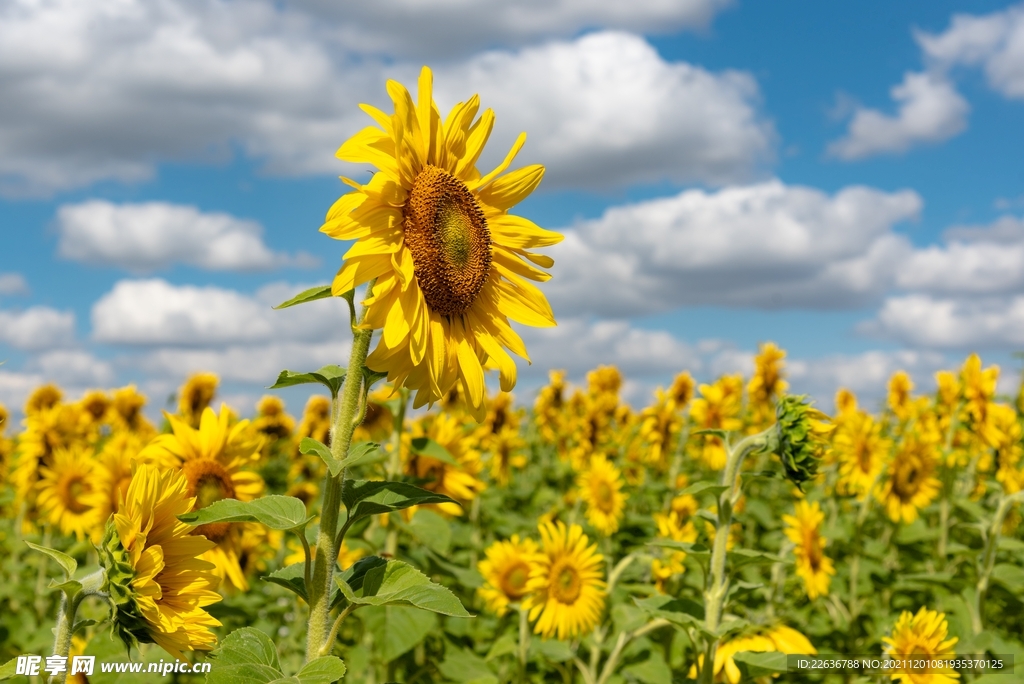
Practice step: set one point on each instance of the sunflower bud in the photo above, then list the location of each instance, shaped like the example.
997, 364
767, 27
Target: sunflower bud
126, 618
802, 432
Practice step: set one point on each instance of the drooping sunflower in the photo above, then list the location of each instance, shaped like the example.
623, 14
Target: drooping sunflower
69, 493
846, 402
601, 488
506, 571
195, 395
922, 636
155, 576
911, 483
566, 594
43, 398
214, 460
452, 265
812, 565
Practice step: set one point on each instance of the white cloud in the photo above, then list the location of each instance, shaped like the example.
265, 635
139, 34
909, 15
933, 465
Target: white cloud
13, 284
14, 390
74, 368
930, 111
98, 92
255, 364
415, 28
923, 320
606, 109
38, 327
155, 312
768, 245
155, 235
995, 42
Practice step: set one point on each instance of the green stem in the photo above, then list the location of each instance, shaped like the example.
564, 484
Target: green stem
394, 470
40, 602
91, 586
328, 541
524, 643
988, 558
620, 644
329, 644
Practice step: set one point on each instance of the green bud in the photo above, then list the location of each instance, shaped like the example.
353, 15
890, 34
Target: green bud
126, 618
802, 434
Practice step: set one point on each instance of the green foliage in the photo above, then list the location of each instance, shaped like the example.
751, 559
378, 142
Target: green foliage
275, 511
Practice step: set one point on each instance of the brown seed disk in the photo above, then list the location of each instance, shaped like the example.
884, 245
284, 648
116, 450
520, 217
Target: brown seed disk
446, 232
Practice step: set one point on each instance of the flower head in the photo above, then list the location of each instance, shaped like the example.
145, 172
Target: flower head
506, 571
195, 395
802, 434
452, 266
921, 636
812, 565
911, 483
601, 488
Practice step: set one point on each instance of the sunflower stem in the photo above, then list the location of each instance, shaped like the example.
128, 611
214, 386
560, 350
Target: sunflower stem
69, 602
318, 635
524, 643
988, 559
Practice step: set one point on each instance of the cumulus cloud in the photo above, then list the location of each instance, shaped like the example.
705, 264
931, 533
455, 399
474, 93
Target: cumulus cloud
994, 42
930, 111
72, 368
38, 327
254, 364
13, 284
14, 390
767, 245
99, 92
155, 235
413, 28
925, 320
156, 313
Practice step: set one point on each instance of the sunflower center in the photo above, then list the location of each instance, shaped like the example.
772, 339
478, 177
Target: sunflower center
209, 482
907, 481
446, 232
513, 584
566, 585
74, 489
603, 496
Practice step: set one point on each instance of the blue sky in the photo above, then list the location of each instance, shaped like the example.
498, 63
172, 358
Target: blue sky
843, 179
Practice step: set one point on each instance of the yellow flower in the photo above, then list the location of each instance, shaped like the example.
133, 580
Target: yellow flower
195, 395
154, 572
272, 421
452, 265
779, 638
859, 447
718, 408
95, 405
213, 460
458, 481
681, 390
69, 494
922, 636
846, 401
506, 571
676, 527
979, 389
911, 484
566, 593
812, 565
601, 488
48, 427
900, 386
506, 450
126, 413
114, 470
767, 383
660, 424
43, 398
547, 409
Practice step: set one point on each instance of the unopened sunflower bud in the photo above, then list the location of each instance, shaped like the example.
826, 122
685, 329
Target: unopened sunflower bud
802, 432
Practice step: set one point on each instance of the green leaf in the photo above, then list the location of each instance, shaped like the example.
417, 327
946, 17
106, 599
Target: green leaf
70, 587
360, 453
651, 671
275, 511
310, 295
1010, 576
246, 656
682, 612
331, 376
363, 498
400, 583
308, 445
713, 432
292, 578
972, 509
432, 530
1011, 544
551, 649
505, 645
425, 446
465, 666
753, 664
698, 551
397, 629
740, 557
701, 487
8, 669
372, 377
66, 562
322, 670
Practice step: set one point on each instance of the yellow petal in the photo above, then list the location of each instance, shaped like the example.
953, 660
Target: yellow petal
475, 141
518, 294
376, 244
355, 272
469, 365
424, 113
517, 232
509, 262
500, 168
512, 188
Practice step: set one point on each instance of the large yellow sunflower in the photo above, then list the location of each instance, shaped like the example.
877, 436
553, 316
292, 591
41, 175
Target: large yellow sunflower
812, 565
214, 460
860, 448
912, 483
566, 594
506, 571
922, 636
601, 488
780, 639
69, 493
452, 265
168, 586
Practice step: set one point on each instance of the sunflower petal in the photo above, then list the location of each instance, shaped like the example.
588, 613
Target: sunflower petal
511, 263
517, 232
355, 272
500, 168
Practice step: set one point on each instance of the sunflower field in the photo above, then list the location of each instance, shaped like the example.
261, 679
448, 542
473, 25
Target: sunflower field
411, 526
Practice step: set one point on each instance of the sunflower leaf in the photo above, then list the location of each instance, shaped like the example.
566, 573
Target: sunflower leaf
331, 376
737, 558
310, 295
371, 377
424, 446
696, 488
66, 562
308, 445
275, 511
323, 669
246, 656
363, 498
360, 453
292, 578
753, 664
698, 551
9, 669
399, 583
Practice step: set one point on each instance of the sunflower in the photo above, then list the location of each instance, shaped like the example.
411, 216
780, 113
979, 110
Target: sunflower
718, 408
155, 577
845, 401
677, 527
506, 452
450, 263
767, 384
69, 494
195, 395
272, 421
911, 484
48, 428
812, 565
922, 636
979, 389
780, 639
566, 594
378, 423
6, 445
859, 447
458, 480
681, 389
547, 409
506, 571
660, 425
316, 421
900, 386
126, 413
114, 472
43, 398
601, 488
213, 460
